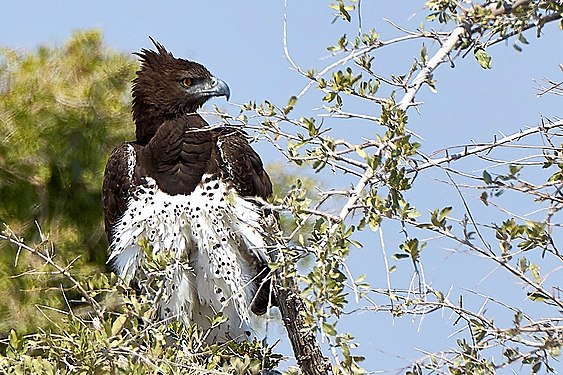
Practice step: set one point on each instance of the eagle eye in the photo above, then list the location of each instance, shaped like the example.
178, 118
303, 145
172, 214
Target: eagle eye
186, 82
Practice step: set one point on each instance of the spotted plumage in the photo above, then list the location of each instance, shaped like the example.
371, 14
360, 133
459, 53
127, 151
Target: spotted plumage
182, 203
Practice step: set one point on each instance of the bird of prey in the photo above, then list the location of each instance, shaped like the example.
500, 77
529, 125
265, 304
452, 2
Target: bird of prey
190, 196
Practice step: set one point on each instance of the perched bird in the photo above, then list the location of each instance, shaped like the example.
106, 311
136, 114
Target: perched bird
188, 195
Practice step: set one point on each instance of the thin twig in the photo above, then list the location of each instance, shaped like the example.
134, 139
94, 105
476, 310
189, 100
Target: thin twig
98, 310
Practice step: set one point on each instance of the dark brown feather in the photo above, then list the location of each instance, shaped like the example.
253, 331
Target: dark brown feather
178, 155
116, 187
242, 165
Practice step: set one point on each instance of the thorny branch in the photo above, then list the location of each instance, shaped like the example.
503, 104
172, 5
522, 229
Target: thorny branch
64, 271
484, 148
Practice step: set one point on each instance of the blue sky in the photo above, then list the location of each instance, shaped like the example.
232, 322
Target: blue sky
241, 43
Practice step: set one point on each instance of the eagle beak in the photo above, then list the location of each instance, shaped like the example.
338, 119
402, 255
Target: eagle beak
220, 88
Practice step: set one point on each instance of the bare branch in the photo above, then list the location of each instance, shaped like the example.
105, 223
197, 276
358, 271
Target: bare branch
425, 73
487, 147
10, 237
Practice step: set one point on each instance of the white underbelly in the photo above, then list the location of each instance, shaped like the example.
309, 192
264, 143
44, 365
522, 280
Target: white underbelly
192, 254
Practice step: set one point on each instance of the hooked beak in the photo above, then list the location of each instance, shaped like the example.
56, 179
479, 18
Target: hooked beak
219, 88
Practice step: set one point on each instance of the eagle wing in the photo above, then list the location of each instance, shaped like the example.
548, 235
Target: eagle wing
243, 165
118, 179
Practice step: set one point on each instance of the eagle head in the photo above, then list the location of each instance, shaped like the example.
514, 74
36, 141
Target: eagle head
167, 87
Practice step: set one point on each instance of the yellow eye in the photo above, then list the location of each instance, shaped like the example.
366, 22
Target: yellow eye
187, 82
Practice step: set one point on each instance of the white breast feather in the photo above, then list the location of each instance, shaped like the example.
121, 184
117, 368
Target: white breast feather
203, 234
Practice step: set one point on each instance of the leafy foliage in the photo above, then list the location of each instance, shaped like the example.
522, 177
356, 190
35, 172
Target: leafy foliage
379, 177
63, 109
128, 342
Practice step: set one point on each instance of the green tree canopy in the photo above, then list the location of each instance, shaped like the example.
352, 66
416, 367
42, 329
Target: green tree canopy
62, 110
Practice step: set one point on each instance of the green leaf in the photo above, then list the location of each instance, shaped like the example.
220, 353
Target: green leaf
487, 177
301, 239
522, 39
355, 243
536, 296
374, 222
361, 153
524, 264
518, 318
118, 324
444, 213
398, 256
440, 296
290, 104
423, 54
329, 329
13, 338
535, 270
218, 319
483, 58
329, 97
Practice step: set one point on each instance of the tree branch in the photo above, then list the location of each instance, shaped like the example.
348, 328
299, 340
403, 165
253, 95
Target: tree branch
426, 72
307, 352
487, 147
98, 310
452, 40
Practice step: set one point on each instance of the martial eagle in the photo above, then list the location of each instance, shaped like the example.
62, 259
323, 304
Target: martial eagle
190, 194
